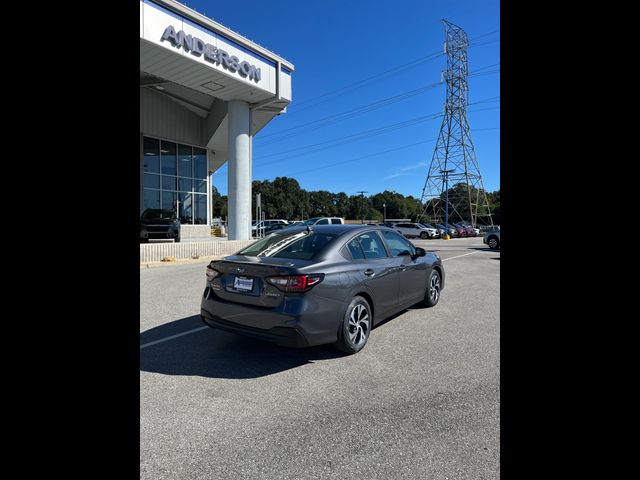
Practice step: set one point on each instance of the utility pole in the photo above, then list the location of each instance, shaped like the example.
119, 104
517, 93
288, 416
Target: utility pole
362, 192
454, 151
384, 216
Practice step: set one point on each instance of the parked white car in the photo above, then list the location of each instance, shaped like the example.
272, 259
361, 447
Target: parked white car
267, 224
415, 230
324, 221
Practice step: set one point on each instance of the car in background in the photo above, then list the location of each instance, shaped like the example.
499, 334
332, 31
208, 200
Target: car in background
437, 231
492, 238
474, 231
415, 230
330, 284
467, 228
324, 221
460, 232
273, 227
267, 224
159, 224
452, 232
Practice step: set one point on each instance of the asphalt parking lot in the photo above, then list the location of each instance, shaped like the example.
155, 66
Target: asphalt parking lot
421, 401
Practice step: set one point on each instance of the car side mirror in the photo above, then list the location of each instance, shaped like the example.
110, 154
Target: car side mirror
420, 252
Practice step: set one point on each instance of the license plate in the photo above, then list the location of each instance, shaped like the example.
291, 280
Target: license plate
242, 283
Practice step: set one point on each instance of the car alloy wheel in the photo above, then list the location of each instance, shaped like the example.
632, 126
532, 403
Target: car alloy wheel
493, 242
359, 323
424, 235
434, 285
355, 327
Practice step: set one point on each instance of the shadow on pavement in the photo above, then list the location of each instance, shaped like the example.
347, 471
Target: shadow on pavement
216, 354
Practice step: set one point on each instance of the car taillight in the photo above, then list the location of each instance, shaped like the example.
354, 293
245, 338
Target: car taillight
295, 283
211, 273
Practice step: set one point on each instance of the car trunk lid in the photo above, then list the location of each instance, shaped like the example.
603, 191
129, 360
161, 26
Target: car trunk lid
243, 279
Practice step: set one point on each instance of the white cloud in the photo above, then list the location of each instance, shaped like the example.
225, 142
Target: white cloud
413, 167
394, 175
398, 172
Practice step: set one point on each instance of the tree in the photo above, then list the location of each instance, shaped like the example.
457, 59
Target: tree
218, 203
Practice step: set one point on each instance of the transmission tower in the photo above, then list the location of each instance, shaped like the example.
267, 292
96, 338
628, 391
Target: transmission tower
454, 152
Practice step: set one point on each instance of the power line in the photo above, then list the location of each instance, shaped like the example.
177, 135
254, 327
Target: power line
402, 147
349, 138
385, 73
353, 112
350, 113
361, 135
369, 79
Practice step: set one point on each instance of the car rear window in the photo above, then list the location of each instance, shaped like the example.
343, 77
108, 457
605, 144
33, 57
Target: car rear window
300, 245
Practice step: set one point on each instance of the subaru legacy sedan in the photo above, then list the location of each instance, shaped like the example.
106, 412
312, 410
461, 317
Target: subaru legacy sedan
324, 284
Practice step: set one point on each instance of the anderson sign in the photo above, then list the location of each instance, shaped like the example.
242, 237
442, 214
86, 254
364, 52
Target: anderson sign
197, 47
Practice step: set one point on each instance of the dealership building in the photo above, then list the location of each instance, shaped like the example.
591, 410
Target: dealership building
205, 91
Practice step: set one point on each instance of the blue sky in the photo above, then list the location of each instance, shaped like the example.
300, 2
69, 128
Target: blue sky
334, 44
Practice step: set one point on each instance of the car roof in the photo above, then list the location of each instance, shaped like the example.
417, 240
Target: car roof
337, 229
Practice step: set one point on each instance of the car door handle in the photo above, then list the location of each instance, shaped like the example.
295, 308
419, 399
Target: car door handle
368, 272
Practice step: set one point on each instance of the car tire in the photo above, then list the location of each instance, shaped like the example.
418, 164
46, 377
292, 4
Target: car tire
355, 327
493, 243
434, 286
424, 235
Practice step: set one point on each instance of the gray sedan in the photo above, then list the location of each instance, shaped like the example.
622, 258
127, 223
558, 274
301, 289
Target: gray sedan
320, 285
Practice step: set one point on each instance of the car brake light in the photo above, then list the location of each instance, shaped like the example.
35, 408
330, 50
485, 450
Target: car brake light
211, 273
295, 283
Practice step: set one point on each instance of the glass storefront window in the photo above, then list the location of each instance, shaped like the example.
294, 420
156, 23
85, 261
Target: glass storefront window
185, 168
151, 199
175, 177
169, 201
151, 181
200, 162
200, 185
186, 209
168, 183
200, 217
185, 184
151, 155
168, 157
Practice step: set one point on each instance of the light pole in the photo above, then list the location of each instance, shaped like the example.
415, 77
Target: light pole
446, 205
384, 217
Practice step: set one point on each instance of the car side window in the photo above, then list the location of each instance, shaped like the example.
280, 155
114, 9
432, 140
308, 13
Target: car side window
398, 244
335, 221
324, 221
372, 245
355, 249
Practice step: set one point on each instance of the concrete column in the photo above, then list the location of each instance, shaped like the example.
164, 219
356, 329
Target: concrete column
239, 158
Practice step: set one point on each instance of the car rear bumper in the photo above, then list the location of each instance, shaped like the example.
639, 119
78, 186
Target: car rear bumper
297, 322
285, 336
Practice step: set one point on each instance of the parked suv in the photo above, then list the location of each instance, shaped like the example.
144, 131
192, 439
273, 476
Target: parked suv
492, 238
159, 223
415, 230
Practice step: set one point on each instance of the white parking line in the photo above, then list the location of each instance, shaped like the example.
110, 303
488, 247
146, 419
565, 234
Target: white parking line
145, 345
458, 256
